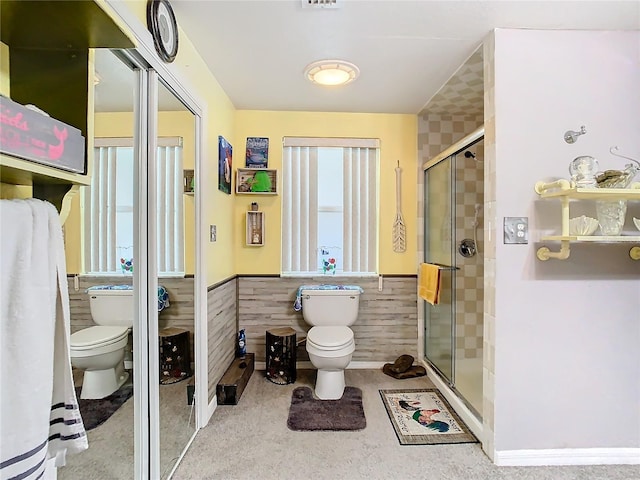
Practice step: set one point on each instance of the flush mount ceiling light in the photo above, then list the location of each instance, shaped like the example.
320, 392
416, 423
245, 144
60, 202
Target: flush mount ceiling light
331, 72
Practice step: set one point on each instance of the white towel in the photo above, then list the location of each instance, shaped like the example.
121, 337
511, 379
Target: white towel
39, 415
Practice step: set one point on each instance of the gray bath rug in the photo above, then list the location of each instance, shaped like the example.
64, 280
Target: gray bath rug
95, 412
310, 414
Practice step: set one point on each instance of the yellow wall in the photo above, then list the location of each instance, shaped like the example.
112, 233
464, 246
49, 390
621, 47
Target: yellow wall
229, 256
218, 119
397, 134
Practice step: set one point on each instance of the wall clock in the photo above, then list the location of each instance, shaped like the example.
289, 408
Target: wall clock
163, 27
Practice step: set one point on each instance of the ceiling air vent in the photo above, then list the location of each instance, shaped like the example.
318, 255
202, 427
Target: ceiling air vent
320, 3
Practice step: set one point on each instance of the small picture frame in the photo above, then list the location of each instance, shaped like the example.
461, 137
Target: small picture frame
257, 153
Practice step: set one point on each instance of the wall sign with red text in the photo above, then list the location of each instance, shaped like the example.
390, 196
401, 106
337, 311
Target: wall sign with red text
27, 134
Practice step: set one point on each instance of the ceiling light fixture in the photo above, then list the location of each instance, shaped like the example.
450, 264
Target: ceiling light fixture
331, 72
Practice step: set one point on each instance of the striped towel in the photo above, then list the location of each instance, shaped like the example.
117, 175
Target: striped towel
40, 419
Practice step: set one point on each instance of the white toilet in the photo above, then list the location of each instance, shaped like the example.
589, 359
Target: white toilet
100, 350
330, 341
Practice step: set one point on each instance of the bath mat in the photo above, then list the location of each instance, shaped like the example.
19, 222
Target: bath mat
307, 413
424, 417
97, 411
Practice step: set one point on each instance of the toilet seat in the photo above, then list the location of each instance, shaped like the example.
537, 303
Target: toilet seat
330, 341
330, 338
97, 340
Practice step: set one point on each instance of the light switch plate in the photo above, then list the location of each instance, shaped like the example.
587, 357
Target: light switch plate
212, 233
516, 230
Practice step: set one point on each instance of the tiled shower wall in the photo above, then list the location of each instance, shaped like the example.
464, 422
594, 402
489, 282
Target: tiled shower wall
470, 276
436, 133
387, 321
488, 369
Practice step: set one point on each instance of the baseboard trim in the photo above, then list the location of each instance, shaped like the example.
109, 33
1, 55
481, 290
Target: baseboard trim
568, 456
309, 365
366, 365
211, 408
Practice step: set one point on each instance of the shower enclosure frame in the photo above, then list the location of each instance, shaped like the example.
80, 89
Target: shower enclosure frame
443, 374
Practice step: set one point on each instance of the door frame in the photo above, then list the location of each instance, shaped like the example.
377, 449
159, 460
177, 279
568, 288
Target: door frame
147, 439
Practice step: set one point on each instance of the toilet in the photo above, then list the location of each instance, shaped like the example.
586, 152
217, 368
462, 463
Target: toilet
100, 350
330, 310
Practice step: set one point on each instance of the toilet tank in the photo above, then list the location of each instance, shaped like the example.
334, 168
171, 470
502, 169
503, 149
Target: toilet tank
330, 307
111, 305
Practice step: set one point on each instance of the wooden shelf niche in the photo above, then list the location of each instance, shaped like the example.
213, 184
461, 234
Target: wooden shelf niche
255, 229
256, 181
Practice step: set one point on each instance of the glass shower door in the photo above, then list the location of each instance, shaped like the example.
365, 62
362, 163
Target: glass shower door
439, 319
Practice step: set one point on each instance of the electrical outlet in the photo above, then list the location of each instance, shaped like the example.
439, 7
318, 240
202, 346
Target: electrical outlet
516, 230
212, 233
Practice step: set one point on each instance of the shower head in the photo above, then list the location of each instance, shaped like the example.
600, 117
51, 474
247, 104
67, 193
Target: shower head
470, 154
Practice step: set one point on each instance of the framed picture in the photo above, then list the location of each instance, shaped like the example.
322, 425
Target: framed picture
257, 152
225, 155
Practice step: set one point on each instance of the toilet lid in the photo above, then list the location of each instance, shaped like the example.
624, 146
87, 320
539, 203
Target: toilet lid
330, 338
99, 335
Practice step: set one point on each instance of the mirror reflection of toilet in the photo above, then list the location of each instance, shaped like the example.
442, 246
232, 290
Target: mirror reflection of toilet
100, 350
330, 310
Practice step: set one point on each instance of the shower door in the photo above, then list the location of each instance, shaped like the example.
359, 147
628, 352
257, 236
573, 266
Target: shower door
439, 319
453, 212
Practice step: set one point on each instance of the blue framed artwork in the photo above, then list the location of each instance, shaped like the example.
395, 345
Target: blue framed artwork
225, 157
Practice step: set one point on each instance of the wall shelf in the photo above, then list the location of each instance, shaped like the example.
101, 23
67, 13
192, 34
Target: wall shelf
51, 66
255, 229
563, 191
265, 183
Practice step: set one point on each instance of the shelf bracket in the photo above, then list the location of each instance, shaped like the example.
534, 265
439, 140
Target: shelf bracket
545, 254
542, 187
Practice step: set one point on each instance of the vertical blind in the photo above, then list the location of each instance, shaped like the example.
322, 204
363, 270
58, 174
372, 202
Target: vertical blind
299, 209
300, 204
100, 209
360, 209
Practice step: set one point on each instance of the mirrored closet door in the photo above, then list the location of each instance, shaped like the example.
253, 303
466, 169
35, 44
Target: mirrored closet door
137, 235
107, 237
175, 233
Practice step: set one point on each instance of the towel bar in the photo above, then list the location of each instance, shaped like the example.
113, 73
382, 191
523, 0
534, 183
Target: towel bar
444, 267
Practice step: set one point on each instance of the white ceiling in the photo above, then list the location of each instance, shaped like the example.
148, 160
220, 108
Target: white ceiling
406, 50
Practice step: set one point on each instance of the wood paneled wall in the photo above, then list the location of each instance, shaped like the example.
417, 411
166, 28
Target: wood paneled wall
386, 327
387, 324
222, 305
180, 313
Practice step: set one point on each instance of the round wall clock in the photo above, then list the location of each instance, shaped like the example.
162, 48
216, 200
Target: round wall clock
163, 27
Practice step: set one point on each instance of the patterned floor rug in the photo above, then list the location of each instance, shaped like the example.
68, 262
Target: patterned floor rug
95, 412
424, 417
307, 413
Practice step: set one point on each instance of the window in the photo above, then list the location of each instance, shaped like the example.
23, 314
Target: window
108, 208
329, 206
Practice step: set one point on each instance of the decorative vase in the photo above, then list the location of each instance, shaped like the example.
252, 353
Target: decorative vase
611, 216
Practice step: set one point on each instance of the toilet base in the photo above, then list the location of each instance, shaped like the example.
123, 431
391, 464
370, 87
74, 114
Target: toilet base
98, 384
330, 384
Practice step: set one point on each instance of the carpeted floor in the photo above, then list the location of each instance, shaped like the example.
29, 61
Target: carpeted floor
251, 441
111, 445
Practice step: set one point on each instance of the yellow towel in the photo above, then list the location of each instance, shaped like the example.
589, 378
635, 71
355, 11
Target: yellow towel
429, 283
